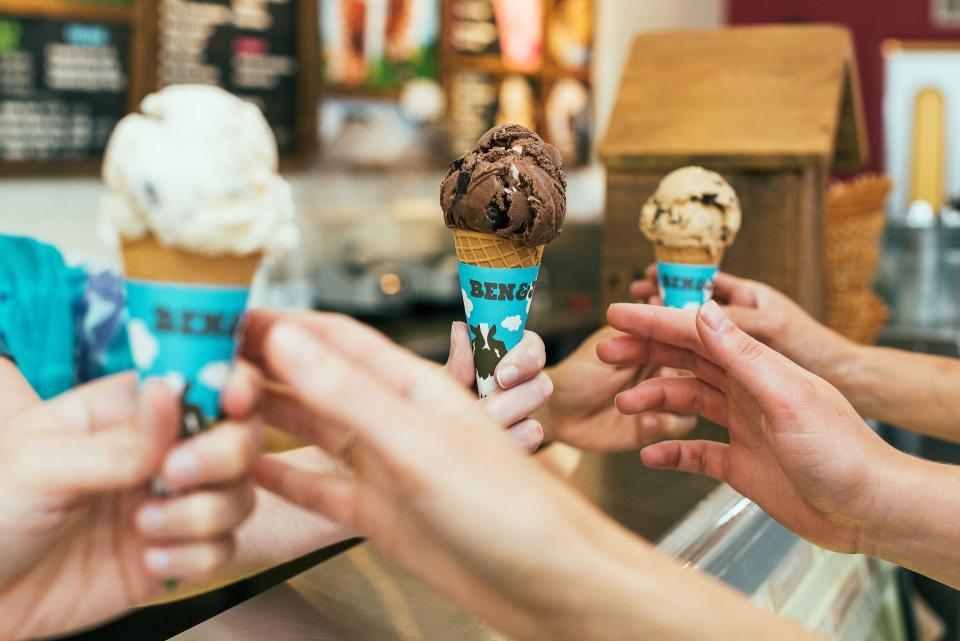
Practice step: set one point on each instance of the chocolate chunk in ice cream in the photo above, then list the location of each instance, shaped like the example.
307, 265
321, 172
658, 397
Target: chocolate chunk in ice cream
512, 185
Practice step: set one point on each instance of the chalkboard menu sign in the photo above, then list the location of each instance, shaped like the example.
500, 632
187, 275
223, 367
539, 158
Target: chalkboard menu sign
64, 84
70, 69
252, 48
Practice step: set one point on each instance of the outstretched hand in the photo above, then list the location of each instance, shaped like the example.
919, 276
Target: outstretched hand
796, 447
522, 387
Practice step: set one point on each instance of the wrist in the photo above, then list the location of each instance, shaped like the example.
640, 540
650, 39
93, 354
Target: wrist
911, 496
843, 366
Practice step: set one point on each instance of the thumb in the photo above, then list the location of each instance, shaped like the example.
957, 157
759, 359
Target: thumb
459, 365
756, 367
114, 457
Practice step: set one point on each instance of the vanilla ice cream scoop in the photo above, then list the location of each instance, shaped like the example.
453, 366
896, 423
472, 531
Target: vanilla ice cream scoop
692, 208
197, 169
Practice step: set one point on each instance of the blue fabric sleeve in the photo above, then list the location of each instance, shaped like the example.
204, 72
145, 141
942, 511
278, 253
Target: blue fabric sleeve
38, 293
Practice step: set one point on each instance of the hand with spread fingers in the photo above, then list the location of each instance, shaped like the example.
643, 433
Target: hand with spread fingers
771, 318
84, 539
582, 413
279, 531
913, 391
436, 483
522, 386
797, 447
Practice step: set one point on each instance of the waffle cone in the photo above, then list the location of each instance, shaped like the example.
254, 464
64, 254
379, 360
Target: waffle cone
487, 250
688, 255
147, 259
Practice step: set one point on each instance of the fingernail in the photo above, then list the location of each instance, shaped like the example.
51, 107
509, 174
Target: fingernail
507, 375
713, 316
453, 339
182, 466
649, 422
158, 561
152, 519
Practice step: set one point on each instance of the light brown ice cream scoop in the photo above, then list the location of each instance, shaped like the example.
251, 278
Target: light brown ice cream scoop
692, 208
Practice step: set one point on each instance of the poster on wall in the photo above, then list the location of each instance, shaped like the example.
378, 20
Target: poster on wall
379, 45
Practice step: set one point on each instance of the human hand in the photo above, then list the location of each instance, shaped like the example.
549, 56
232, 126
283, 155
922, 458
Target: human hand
772, 318
522, 387
796, 447
431, 481
582, 412
84, 541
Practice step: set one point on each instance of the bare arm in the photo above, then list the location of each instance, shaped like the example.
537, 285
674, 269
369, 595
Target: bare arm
915, 391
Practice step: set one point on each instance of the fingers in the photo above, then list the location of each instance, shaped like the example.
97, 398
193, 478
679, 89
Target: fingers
630, 350
522, 363
369, 351
459, 365
528, 434
339, 391
201, 515
513, 405
685, 395
659, 426
330, 494
102, 404
190, 561
706, 458
662, 324
243, 391
764, 373
219, 456
730, 290
111, 457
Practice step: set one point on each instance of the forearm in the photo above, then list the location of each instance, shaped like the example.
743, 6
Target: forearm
914, 391
636, 592
915, 525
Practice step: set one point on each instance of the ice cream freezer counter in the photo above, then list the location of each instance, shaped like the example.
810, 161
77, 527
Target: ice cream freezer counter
361, 596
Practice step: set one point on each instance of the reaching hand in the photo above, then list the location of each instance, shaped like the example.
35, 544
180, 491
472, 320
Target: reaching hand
582, 412
797, 447
523, 388
431, 481
82, 540
771, 318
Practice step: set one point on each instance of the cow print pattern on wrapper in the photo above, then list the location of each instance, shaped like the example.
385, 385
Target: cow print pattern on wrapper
496, 304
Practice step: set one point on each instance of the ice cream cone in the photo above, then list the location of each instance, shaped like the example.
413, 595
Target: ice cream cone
487, 250
148, 259
688, 255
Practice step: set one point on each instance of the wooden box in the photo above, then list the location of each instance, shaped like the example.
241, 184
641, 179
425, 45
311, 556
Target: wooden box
772, 108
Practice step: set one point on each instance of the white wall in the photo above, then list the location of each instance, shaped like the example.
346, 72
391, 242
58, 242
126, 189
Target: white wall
618, 21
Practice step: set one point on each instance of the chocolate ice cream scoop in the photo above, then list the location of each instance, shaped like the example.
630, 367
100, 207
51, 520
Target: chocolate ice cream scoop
512, 185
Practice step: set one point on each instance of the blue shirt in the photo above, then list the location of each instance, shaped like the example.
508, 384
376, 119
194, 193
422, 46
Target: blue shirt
62, 325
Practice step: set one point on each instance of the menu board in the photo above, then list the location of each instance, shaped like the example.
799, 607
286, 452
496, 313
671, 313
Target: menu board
63, 86
249, 47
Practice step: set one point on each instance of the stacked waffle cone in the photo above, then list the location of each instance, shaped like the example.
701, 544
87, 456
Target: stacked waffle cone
487, 250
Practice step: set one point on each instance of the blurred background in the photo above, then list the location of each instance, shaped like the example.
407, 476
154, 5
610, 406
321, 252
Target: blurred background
843, 145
